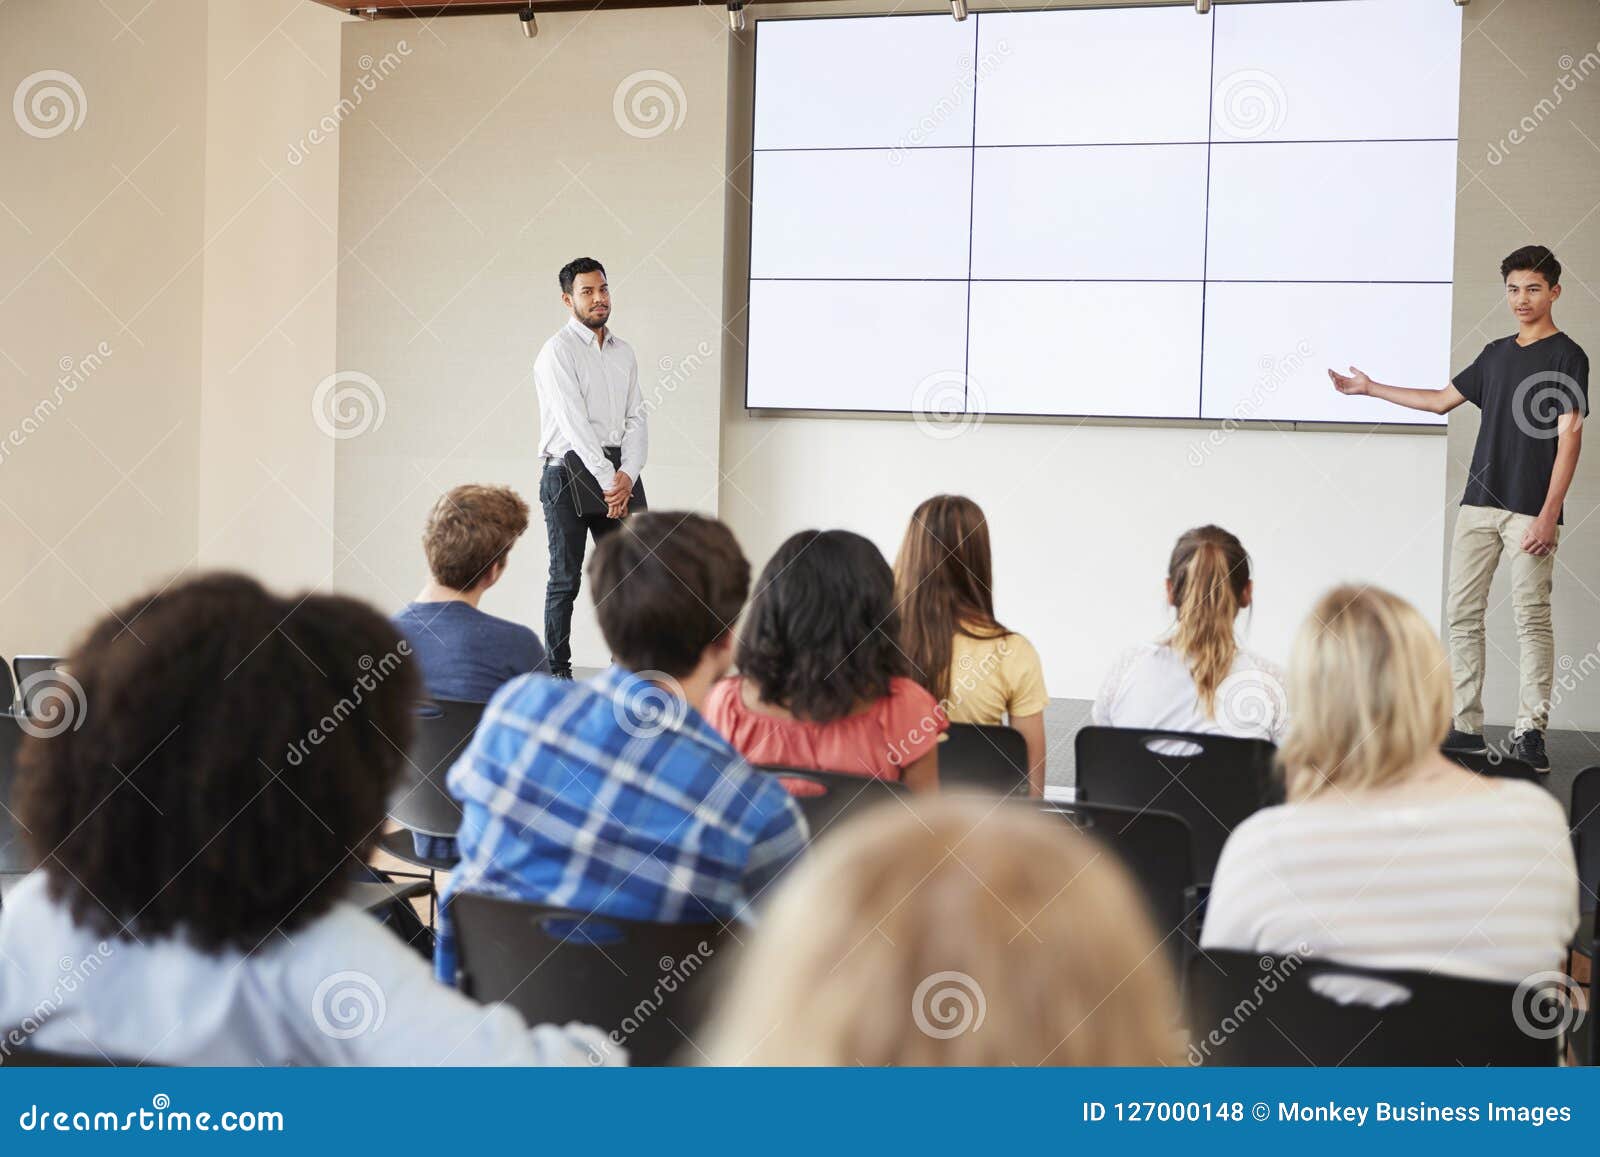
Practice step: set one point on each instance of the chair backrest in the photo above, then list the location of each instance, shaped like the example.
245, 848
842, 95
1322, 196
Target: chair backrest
984, 757
33, 678
1214, 782
13, 855
8, 687
643, 983
1495, 764
26, 1057
1585, 813
826, 797
1250, 1008
1155, 848
444, 727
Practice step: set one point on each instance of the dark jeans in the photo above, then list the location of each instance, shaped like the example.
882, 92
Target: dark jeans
566, 530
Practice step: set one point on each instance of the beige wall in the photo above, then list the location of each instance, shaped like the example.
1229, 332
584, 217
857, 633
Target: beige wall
169, 258
471, 173
99, 230
268, 319
1544, 188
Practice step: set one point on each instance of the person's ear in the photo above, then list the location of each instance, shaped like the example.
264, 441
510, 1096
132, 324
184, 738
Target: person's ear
1248, 594
1555, 294
495, 571
718, 656
1170, 603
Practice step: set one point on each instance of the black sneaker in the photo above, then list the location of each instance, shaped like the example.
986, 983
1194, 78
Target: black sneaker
1465, 742
562, 673
1529, 747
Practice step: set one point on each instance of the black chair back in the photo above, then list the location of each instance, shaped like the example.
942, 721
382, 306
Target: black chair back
643, 983
1155, 848
13, 854
420, 802
829, 796
35, 679
1250, 1008
983, 757
26, 1057
8, 688
1494, 764
1585, 813
1214, 782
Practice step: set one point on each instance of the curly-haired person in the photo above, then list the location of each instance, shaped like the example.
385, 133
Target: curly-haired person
194, 828
822, 682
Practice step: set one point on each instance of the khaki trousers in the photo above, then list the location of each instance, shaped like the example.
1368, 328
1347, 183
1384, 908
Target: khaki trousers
1482, 534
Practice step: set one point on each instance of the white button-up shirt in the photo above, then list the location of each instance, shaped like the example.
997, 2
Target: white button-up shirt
589, 398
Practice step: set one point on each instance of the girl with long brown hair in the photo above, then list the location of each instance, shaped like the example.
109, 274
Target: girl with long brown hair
1198, 678
980, 671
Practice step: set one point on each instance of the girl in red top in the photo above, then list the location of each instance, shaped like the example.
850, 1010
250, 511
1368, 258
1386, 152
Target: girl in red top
822, 684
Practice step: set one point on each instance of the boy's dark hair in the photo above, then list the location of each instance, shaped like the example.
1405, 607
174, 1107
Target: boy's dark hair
469, 530
569, 271
1533, 259
234, 749
820, 637
666, 586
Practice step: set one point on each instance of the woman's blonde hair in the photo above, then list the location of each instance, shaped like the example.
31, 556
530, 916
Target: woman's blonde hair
1209, 571
952, 931
1370, 688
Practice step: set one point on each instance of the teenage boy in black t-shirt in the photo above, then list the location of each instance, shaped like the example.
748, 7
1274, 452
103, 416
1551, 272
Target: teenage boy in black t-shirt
1533, 389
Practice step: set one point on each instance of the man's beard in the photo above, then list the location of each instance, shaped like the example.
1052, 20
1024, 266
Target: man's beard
592, 322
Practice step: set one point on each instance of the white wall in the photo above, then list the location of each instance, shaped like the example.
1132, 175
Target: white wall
471, 173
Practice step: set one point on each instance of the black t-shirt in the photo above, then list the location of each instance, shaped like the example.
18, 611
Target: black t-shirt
1521, 390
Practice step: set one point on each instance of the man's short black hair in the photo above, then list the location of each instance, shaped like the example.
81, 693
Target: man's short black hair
569, 271
666, 586
233, 757
1533, 259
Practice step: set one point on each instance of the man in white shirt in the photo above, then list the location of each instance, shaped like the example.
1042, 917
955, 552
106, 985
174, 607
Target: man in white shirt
589, 405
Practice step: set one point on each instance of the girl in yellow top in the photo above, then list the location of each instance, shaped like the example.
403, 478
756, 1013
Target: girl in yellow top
978, 670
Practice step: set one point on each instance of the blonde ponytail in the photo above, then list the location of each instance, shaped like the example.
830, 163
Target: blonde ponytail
1209, 572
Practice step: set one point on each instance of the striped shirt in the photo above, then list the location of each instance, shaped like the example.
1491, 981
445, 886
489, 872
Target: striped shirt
1481, 885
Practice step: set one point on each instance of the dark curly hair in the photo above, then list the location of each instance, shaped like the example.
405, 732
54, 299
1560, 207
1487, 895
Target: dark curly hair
819, 639
233, 756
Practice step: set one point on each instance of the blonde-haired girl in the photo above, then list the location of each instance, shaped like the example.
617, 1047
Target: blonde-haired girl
1198, 678
952, 932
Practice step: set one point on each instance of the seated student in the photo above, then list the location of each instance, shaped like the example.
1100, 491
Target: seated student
951, 932
194, 830
613, 795
1387, 853
821, 681
465, 653
1198, 678
978, 670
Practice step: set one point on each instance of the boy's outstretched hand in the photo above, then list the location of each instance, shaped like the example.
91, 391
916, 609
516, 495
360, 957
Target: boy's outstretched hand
1355, 383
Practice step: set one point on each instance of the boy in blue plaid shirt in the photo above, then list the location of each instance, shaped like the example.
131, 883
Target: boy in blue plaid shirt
613, 795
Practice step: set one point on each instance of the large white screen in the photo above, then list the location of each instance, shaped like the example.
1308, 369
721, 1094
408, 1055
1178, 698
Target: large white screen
1366, 211
1122, 211
1103, 76
1128, 212
1337, 70
860, 213
1113, 348
854, 345
856, 81
1269, 348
